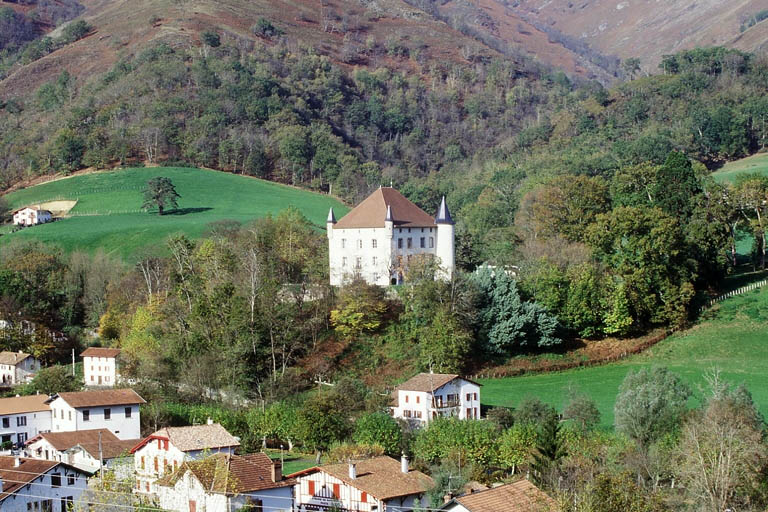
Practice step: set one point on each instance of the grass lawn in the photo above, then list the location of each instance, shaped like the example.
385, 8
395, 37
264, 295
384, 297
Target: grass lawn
107, 214
732, 337
755, 163
293, 462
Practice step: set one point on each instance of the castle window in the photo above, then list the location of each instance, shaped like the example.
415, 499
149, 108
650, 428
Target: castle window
343, 243
422, 243
344, 261
399, 243
374, 243
410, 242
431, 242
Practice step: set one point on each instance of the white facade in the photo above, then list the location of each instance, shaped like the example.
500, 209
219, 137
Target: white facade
23, 418
54, 490
17, 372
458, 398
42, 449
121, 420
100, 370
378, 241
31, 216
188, 495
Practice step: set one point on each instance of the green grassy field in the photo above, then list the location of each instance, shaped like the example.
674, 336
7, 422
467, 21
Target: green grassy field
752, 164
733, 337
108, 216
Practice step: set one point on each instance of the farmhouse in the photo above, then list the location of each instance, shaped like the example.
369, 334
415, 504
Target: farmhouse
165, 450
376, 484
430, 395
521, 496
29, 216
385, 233
17, 367
116, 410
100, 366
40, 485
226, 482
23, 417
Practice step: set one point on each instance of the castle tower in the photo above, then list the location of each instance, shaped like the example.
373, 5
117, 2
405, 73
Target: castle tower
445, 247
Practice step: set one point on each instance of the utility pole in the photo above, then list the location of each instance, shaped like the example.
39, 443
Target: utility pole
73, 366
101, 461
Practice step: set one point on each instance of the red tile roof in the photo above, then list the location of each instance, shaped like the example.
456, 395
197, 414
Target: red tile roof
22, 404
521, 496
373, 210
80, 399
62, 441
14, 478
194, 437
430, 381
100, 352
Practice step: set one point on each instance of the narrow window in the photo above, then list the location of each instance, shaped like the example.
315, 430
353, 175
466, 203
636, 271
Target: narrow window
421, 242
418, 399
399, 243
410, 242
359, 244
374, 243
431, 242
344, 261
142, 462
374, 261
86, 415
107, 414
469, 397
343, 243
358, 262
128, 412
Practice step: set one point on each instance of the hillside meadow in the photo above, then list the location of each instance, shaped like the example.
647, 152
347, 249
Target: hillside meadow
752, 164
731, 338
108, 212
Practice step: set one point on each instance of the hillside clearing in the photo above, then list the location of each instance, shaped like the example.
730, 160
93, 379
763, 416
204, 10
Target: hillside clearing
108, 214
731, 338
751, 164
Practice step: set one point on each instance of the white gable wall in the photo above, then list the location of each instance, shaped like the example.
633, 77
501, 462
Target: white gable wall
459, 398
99, 371
19, 428
67, 419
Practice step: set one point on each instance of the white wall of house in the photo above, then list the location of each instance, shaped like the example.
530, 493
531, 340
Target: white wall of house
100, 371
459, 398
188, 490
42, 449
22, 372
31, 216
158, 457
379, 255
122, 466
325, 490
19, 428
41, 490
121, 420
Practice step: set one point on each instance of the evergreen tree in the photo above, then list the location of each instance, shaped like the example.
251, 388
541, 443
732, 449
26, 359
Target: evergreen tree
549, 451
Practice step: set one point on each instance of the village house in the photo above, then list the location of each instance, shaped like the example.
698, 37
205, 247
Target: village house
29, 216
379, 238
116, 456
376, 484
100, 366
225, 482
427, 396
521, 496
39, 485
164, 451
23, 417
17, 367
116, 410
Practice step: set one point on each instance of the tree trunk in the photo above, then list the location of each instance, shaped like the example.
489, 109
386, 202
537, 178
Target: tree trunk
159, 209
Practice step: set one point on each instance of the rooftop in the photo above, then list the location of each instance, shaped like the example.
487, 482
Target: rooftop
230, 474
100, 352
195, 437
80, 399
110, 449
12, 358
380, 477
521, 496
23, 404
62, 441
14, 478
373, 210
429, 382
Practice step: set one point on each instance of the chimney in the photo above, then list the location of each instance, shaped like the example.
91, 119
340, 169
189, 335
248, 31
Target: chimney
210, 421
404, 463
277, 471
16, 461
352, 470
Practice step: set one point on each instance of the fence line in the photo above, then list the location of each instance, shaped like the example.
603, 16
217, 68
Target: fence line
559, 367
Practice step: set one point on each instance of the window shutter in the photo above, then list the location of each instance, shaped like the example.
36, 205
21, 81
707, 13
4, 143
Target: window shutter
311, 487
364, 497
336, 491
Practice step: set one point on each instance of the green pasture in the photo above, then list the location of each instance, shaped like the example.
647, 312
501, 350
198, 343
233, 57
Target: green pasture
732, 337
752, 164
108, 212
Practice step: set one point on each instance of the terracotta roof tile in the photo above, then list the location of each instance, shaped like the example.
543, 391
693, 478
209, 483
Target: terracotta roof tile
22, 404
373, 210
100, 352
230, 474
381, 478
14, 478
63, 441
79, 399
521, 496
194, 437
12, 358
110, 449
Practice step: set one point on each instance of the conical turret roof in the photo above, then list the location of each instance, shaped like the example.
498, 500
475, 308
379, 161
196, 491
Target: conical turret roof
443, 215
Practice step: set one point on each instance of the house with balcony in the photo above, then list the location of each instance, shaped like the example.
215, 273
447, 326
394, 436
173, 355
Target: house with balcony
428, 396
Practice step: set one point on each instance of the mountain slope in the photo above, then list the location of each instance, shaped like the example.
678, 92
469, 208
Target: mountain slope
648, 29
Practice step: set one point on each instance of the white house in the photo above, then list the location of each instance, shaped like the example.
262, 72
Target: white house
23, 417
520, 496
379, 238
225, 483
29, 216
17, 367
39, 485
116, 456
376, 484
80, 448
429, 395
100, 366
116, 410
164, 451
